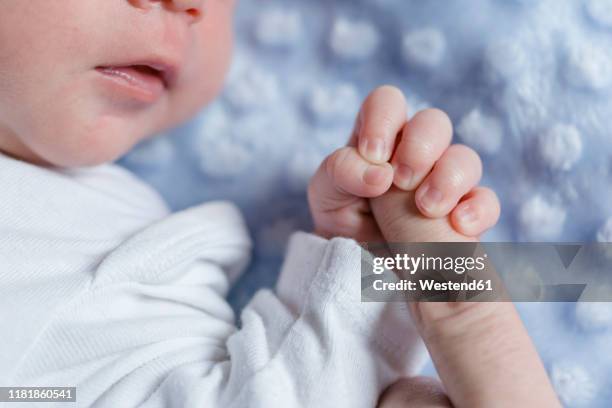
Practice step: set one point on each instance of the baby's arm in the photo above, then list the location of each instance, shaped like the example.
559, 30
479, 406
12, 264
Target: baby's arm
153, 329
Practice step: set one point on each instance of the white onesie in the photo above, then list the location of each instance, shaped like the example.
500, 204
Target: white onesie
101, 288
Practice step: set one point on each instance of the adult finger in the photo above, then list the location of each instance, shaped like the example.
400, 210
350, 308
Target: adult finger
483, 354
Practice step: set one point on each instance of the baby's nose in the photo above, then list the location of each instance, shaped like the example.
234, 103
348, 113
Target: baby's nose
193, 9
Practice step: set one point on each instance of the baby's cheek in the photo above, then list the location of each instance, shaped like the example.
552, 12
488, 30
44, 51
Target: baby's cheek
204, 73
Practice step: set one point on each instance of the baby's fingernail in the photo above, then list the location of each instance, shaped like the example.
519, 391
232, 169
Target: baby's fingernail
403, 176
374, 149
430, 198
374, 175
465, 214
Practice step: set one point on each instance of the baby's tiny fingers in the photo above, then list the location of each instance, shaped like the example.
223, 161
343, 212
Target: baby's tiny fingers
477, 212
424, 139
457, 172
381, 118
345, 175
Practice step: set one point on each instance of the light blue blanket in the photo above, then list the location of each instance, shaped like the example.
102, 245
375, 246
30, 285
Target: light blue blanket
528, 83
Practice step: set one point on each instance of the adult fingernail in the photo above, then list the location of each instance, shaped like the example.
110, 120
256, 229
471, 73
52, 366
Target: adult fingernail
465, 214
374, 150
403, 176
374, 175
430, 198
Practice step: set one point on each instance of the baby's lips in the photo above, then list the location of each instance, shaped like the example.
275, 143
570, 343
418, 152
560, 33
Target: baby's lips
136, 82
162, 65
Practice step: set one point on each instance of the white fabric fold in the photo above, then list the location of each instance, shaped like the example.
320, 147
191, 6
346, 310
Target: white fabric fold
102, 289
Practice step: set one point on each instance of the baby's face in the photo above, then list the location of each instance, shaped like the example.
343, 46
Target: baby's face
81, 82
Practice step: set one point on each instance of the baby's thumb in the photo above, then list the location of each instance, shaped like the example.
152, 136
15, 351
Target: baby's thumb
344, 175
337, 192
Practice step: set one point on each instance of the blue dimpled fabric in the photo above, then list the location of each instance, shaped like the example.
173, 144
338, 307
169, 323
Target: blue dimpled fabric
528, 84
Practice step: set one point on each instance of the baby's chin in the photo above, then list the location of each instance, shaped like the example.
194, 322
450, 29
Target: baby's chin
91, 145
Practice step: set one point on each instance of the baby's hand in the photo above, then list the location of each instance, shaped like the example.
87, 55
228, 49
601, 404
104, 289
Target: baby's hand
339, 192
351, 193
435, 196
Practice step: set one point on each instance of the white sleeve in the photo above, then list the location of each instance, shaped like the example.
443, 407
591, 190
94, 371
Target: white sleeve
314, 343
157, 332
